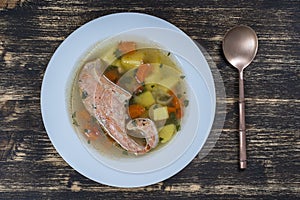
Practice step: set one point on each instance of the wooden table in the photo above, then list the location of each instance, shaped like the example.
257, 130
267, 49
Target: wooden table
30, 167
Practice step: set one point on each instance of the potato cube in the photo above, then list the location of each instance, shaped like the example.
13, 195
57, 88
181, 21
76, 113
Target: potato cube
160, 113
167, 132
145, 99
132, 60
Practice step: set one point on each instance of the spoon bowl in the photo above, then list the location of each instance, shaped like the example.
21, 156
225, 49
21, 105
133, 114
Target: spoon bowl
240, 47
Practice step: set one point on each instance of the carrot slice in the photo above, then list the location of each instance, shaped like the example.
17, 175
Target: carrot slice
176, 102
136, 110
126, 47
177, 105
171, 109
143, 71
179, 113
113, 75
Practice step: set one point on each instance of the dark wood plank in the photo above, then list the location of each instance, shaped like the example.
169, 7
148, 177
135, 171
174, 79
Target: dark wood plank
30, 167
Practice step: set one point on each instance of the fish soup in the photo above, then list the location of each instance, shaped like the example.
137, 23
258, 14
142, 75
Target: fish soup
128, 99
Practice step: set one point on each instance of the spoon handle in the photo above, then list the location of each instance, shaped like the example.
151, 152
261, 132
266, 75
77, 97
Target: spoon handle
242, 128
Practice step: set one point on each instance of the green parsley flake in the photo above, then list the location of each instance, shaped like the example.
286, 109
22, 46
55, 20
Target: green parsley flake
74, 121
118, 53
178, 127
134, 123
84, 94
186, 102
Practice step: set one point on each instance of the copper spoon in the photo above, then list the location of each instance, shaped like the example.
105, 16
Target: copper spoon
240, 46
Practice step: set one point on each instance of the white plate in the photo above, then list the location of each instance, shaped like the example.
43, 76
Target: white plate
54, 101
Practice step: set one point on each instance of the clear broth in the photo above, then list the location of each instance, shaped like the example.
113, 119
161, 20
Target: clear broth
97, 139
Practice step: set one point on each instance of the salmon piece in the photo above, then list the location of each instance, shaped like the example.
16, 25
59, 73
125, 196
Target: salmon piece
126, 46
107, 102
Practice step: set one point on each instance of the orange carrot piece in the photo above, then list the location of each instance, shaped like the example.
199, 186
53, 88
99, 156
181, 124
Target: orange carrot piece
143, 71
113, 75
171, 109
136, 110
179, 113
126, 47
176, 102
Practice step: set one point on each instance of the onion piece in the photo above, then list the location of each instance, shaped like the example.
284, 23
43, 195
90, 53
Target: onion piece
164, 99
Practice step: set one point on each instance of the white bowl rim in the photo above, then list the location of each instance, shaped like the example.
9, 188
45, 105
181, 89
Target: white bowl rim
71, 159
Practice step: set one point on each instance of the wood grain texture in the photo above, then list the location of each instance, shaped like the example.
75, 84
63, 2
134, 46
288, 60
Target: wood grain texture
30, 167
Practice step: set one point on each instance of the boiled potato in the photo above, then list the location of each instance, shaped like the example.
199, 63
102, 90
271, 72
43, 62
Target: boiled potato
160, 113
145, 99
167, 132
132, 60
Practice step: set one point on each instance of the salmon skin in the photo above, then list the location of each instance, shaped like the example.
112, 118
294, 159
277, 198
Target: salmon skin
107, 102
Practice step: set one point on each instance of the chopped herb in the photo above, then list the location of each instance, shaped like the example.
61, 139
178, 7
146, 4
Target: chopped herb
89, 142
74, 115
111, 67
84, 94
118, 53
125, 153
86, 131
182, 76
178, 127
161, 65
169, 53
134, 123
74, 121
172, 119
186, 102
179, 96
155, 106
160, 139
